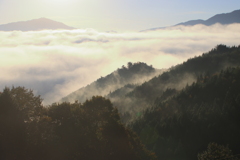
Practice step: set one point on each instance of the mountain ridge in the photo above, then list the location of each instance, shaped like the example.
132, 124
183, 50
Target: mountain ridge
223, 18
133, 99
35, 25
134, 73
144, 96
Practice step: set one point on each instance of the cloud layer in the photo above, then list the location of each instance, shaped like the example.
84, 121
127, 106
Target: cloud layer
56, 63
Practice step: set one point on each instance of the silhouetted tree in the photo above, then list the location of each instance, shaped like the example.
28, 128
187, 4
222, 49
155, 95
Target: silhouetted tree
217, 152
12, 129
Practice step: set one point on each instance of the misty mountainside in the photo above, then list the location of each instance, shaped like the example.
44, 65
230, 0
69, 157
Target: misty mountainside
224, 19
124, 79
188, 112
183, 122
122, 91
179, 76
34, 25
132, 104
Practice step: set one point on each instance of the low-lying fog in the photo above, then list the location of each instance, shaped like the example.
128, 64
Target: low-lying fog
56, 63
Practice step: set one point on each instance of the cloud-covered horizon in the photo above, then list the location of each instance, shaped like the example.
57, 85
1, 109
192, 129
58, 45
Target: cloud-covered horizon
56, 63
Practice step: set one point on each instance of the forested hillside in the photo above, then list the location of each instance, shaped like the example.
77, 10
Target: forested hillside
134, 88
191, 111
182, 123
133, 74
143, 96
178, 76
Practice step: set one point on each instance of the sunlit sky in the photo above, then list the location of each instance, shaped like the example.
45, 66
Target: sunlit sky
116, 15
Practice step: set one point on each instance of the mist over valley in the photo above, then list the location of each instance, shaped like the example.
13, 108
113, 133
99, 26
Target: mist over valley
159, 94
56, 63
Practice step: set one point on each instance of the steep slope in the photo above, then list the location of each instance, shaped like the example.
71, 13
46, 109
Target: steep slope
183, 123
179, 76
34, 25
135, 73
133, 103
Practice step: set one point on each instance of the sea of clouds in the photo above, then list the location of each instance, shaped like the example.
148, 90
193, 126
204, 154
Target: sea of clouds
56, 63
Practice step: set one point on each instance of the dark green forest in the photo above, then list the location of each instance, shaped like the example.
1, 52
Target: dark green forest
189, 112
64, 131
182, 123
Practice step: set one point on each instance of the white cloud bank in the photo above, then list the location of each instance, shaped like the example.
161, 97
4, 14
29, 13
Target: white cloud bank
56, 63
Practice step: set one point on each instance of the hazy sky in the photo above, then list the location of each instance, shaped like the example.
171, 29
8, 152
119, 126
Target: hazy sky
118, 15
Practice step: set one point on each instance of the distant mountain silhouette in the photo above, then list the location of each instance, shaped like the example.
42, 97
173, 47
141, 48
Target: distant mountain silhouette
224, 18
34, 25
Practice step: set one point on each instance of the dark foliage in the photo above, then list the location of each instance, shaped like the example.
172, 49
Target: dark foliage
215, 151
64, 131
206, 111
12, 128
